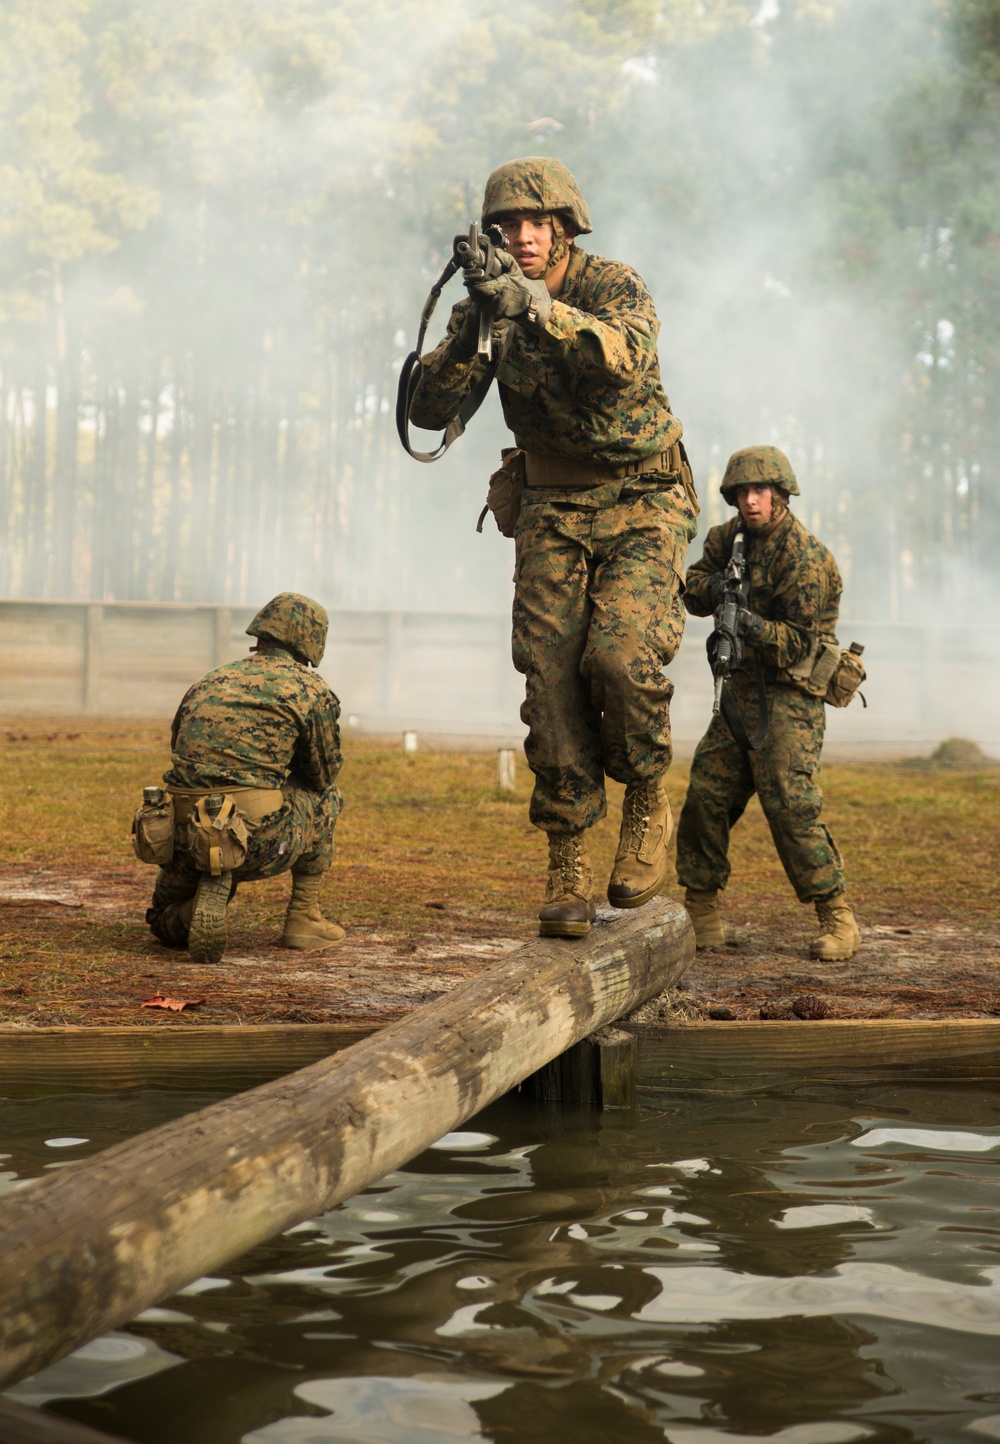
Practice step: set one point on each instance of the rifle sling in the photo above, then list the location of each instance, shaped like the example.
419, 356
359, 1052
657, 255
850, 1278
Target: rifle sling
410, 375
735, 722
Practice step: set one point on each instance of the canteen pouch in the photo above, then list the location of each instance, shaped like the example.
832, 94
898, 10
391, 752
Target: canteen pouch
846, 680
503, 498
153, 832
217, 844
814, 672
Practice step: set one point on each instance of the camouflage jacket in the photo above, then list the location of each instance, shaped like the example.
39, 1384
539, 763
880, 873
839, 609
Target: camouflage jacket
794, 584
588, 386
255, 722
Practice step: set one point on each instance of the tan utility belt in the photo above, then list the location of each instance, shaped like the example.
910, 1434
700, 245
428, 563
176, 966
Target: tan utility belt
253, 802
543, 469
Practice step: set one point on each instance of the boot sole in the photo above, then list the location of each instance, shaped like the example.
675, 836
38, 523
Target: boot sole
307, 944
841, 956
208, 935
563, 930
639, 899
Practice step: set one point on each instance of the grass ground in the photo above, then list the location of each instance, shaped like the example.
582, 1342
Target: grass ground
428, 850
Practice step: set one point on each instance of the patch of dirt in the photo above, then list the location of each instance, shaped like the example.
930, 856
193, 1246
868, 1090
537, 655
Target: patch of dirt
75, 949
929, 970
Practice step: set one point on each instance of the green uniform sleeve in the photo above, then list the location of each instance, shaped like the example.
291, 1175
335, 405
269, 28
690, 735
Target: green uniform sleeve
616, 340
317, 759
715, 555
446, 377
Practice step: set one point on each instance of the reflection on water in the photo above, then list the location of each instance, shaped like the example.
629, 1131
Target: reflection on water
807, 1264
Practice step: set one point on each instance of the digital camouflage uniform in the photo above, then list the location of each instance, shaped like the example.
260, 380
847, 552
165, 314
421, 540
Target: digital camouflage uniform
795, 586
265, 721
599, 558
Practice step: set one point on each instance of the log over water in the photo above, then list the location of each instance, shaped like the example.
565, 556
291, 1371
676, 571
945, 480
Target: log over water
91, 1246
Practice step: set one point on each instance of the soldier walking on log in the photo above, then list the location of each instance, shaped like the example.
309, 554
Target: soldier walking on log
606, 513
261, 737
789, 626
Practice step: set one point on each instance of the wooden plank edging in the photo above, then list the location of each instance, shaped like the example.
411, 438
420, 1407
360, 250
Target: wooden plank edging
952, 1046
227, 1056
181, 1055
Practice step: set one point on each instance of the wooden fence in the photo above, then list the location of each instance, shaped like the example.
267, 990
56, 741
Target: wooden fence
450, 672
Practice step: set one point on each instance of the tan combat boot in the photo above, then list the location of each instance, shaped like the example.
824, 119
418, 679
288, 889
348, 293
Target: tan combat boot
640, 868
305, 925
703, 910
207, 934
839, 938
568, 909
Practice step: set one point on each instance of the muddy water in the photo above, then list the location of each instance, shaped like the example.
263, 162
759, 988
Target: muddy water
808, 1263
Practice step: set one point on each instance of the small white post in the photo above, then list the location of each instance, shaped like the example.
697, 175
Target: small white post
409, 742
505, 769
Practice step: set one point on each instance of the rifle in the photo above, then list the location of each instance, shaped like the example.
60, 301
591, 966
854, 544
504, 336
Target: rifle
477, 255
725, 648
474, 253
735, 595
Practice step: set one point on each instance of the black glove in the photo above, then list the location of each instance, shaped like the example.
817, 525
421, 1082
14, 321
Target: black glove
512, 295
750, 625
466, 343
716, 586
736, 649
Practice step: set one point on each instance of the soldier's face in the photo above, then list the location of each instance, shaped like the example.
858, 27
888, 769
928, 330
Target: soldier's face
528, 237
755, 504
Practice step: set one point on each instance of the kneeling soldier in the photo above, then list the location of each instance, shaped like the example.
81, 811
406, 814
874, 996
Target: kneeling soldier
256, 753
792, 612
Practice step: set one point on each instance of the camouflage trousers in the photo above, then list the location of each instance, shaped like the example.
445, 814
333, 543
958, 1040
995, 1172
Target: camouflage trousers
784, 774
297, 838
597, 615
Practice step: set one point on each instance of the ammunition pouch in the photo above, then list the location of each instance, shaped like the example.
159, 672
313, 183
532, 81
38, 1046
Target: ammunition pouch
217, 844
506, 488
813, 673
846, 680
153, 832
829, 672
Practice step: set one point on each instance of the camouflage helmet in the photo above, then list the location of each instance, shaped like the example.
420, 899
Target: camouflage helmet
758, 466
535, 183
295, 622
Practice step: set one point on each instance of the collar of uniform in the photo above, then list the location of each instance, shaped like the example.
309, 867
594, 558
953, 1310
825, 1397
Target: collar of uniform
574, 272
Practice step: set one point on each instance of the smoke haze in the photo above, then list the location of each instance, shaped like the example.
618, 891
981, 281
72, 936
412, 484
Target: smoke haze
219, 224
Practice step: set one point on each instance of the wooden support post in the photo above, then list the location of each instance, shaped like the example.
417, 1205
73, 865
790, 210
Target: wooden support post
90, 1246
598, 1072
19, 1425
505, 770
222, 635
617, 1066
93, 650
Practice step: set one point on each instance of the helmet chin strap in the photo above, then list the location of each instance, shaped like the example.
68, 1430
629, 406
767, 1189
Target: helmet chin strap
560, 245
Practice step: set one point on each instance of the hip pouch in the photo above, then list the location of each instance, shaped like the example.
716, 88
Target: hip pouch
847, 678
217, 836
153, 830
813, 674
503, 498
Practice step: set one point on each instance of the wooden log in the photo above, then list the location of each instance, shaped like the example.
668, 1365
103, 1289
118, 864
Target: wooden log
92, 1245
20, 1425
180, 1054
737, 1051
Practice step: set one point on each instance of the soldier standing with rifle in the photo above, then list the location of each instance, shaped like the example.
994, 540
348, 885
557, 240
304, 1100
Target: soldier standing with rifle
606, 513
784, 626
